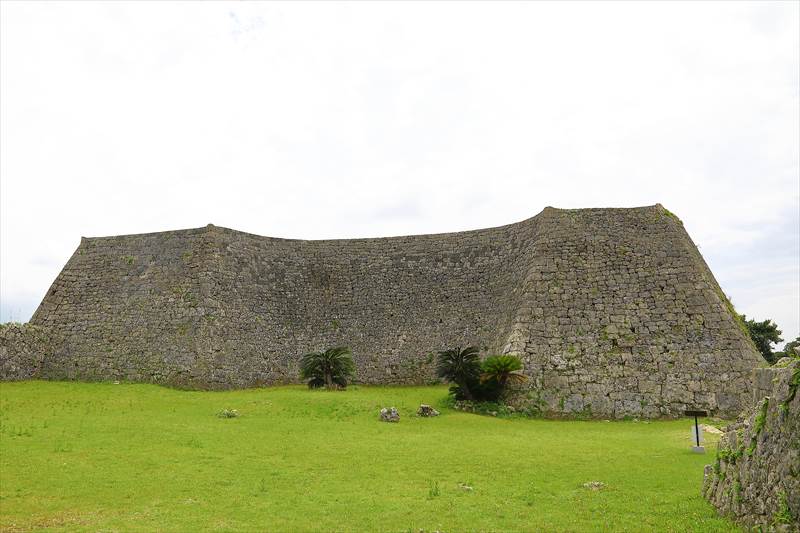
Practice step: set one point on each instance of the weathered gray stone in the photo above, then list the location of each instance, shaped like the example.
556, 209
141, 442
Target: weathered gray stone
594, 485
613, 311
427, 411
23, 351
390, 414
764, 380
756, 476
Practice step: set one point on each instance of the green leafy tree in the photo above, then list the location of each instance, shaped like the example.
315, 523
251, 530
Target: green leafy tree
764, 335
503, 370
461, 367
330, 369
789, 349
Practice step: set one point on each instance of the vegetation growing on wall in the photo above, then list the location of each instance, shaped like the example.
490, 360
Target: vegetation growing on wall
755, 477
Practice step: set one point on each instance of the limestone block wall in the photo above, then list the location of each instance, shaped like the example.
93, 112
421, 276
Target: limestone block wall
127, 308
755, 478
24, 348
620, 315
613, 311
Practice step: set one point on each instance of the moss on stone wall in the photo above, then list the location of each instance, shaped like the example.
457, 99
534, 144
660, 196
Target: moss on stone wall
760, 486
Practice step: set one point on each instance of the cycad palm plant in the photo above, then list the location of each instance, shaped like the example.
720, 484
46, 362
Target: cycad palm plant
461, 367
503, 369
329, 369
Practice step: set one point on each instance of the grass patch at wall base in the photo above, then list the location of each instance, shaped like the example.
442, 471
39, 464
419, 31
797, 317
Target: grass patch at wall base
89, 457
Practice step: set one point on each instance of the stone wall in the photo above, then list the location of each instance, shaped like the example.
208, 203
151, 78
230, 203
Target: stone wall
24, 348
613, 311
756, 476
619, 315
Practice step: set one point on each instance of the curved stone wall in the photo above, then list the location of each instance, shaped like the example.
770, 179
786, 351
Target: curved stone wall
613, 311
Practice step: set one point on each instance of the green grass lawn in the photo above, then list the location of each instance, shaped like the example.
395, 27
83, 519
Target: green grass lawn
105, 457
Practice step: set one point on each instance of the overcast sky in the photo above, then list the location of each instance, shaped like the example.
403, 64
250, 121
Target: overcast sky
335, 120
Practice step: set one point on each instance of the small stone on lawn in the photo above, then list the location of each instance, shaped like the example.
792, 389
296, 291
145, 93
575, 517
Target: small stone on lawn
390, 415
594, 485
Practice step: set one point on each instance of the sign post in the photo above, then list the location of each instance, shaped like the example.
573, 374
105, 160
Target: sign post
696, 433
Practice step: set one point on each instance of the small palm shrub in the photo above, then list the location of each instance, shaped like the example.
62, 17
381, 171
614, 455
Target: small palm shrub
462, 369
330, 369
474, 381
502, 369
497, 373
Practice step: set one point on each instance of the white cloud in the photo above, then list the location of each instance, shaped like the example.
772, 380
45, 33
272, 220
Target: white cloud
318, 120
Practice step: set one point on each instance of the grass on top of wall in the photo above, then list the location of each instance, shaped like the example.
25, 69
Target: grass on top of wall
105, 457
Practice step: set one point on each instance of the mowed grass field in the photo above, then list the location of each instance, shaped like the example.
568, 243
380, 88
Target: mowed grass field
105, 457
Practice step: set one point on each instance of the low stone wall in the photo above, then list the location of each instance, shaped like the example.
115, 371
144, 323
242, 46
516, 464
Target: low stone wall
23, 351
756, 476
